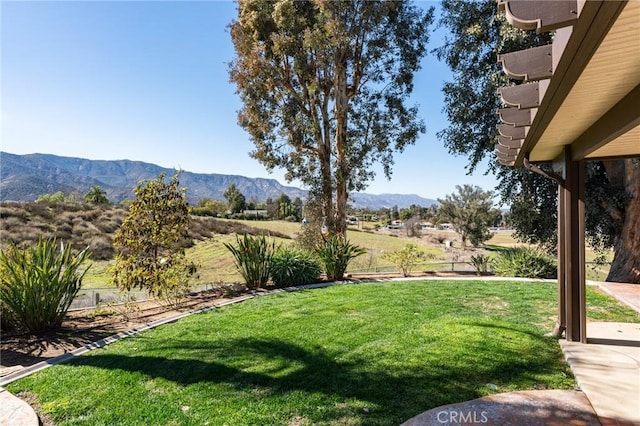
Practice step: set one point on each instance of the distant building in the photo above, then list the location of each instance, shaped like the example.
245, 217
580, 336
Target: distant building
396, 224
255, 213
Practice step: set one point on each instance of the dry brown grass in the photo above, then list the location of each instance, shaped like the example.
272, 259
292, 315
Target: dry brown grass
91, 225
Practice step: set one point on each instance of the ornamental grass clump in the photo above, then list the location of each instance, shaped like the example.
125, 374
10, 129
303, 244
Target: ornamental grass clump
38, 284
481, 264
524, 262
293, 267
335, 252
253, 256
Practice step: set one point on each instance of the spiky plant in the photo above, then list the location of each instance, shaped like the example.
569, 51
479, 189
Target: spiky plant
38, 284
253, 258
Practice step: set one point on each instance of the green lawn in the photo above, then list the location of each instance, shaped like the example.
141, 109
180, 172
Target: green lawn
367, 354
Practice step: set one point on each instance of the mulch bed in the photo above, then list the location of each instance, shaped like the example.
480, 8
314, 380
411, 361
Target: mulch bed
85, 326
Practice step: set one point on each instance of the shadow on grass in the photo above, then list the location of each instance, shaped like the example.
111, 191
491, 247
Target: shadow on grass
395, 391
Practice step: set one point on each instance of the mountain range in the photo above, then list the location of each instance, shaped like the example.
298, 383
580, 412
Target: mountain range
25, 177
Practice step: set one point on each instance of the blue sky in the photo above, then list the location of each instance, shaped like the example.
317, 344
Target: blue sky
148, 81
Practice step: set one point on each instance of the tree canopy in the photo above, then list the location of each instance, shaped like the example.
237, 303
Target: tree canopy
235, 199
323, 86
96, 195
477, 35
149, 243
470, 211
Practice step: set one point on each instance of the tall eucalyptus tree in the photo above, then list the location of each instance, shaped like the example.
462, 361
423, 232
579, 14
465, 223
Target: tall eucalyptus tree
324, 86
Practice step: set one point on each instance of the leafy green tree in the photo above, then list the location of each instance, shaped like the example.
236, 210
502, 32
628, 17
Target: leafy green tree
283, 207
96, 195
413, 210
235, 199
477, 34
395, 213
297, 208
73, 197
406, 259
149, 244
56, 197
323, 86
59, 197
253, 203
209, 207
271, 207
470, 212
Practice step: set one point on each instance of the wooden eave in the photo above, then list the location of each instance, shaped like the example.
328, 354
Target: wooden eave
512, 132
507, 151
509, 143
592, 100
529, 65
523, 96
539, 16
516, 117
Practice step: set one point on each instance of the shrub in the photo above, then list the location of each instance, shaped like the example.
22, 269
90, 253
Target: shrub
148, 245
202, 211
7, 321
253, 258
108, 225
406, 258
335, 253
524, 262
292, 267
481, 264
38, 284
413, 227
101, 247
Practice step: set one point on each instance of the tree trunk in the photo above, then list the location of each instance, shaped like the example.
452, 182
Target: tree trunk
626, 260
323, 137
342, 168
326, 192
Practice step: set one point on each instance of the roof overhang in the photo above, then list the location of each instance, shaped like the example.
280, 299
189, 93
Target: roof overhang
587, 82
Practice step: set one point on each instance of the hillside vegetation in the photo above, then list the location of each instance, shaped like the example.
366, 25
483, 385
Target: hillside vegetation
82, 225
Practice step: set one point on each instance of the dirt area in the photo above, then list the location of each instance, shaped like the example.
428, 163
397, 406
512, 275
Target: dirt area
89, 325
83, 327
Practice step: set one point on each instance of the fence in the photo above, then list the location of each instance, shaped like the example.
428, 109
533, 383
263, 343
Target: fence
427, 266
92, 297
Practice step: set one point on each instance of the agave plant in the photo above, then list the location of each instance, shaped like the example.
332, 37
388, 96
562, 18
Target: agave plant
38, 284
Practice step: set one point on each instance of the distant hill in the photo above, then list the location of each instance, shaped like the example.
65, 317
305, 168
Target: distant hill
25, 177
